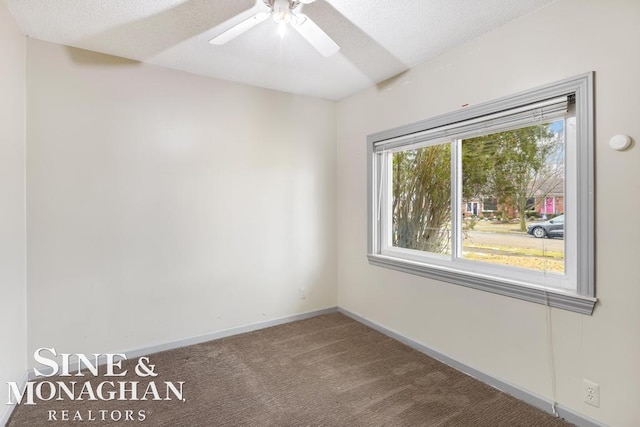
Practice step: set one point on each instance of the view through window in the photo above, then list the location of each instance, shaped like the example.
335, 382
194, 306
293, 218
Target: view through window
422, 199
516, 180
512, 209
497, 197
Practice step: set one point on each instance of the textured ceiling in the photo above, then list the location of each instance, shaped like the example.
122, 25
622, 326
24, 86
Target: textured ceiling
378, 38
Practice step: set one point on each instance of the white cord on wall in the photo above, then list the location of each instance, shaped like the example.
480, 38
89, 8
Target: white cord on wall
551, 356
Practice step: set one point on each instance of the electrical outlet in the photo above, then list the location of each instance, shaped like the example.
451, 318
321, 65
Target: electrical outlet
302, 294
591, 393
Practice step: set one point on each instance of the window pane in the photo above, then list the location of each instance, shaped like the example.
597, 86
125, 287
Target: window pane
519, 177
489, 204
421, 190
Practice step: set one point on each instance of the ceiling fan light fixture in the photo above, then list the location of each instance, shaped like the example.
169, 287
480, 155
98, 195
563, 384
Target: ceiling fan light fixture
281, 17
281, 11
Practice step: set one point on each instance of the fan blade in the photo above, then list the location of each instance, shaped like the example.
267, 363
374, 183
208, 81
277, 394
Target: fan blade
315, 36
236, 30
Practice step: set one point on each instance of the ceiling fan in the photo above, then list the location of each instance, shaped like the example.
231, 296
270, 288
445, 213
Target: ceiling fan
282, 12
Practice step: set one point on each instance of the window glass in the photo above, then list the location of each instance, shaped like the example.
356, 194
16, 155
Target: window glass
421, 203
478, 197
511, 168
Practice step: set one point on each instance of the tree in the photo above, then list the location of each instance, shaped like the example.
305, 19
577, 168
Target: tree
513, 166
518, 165
477, 167
422, 198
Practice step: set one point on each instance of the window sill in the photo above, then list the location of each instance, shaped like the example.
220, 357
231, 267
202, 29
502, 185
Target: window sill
553, 297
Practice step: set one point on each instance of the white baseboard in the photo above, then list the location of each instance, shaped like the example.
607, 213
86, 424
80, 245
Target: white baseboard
145, 351
135, 353
511, 389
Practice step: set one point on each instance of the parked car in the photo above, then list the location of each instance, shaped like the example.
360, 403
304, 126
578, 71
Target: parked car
551, 228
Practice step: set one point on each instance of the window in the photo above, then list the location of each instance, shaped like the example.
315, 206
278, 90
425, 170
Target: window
489, 204
469, 197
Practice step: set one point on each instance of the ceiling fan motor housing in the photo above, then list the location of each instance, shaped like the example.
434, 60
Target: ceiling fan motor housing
281, 9
282, 13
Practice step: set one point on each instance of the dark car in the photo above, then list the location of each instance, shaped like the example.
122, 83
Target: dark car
552, 228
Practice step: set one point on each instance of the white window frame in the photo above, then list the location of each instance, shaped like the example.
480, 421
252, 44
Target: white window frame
575, 289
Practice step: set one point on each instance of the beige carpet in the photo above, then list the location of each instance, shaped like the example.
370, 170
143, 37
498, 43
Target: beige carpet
325, 371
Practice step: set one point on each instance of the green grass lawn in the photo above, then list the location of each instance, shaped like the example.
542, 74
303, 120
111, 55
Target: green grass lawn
536, 263
534, 258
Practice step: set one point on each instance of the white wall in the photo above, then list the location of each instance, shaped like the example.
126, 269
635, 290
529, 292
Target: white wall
12, 207
163, 205
494, 334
